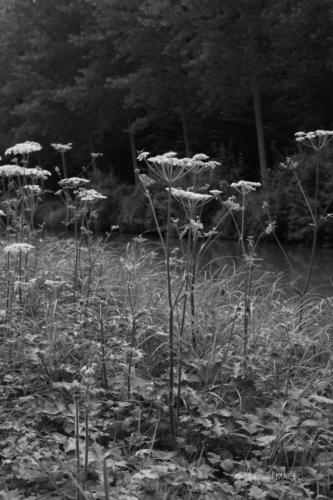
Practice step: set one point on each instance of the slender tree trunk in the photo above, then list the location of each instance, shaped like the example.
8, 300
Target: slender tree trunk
255, 86
186, 137
131, 137
259, 126
93, 159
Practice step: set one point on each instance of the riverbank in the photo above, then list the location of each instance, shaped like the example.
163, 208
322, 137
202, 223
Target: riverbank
85, 367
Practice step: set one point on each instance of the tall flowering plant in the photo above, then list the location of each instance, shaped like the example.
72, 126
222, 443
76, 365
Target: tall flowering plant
22, 187
169, 169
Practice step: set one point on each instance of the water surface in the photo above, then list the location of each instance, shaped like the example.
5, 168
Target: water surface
270, 259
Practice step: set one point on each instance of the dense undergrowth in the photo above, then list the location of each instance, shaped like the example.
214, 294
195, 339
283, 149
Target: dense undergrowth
85, 391
129, 374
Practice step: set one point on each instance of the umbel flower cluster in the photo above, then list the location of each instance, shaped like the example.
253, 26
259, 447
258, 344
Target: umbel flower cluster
245, 187
73, 182
23, 148
18, 248
32, 189
62, 148
90, 195
316, 139
17, 171
303, 136
171, 169
289, 164
189, 199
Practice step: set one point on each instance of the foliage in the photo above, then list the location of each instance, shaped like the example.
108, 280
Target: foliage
237, 436
86, 355
109, 76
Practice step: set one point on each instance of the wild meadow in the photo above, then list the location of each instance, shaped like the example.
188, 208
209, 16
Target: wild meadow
131, 373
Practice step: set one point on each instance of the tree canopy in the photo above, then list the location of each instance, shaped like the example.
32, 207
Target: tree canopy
190, 76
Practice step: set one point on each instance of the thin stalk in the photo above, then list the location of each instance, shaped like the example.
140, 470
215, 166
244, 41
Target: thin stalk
77, 260
192, 289
158, 229
171, 325
86, 449
105, 378
181, 333
248, 285
314, 215
133, 330
77, 445
105, 481
315, 228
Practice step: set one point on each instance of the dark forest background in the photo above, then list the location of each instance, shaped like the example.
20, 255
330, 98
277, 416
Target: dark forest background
234, 79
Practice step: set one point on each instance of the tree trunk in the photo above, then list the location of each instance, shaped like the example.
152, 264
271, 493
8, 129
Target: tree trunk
255, 86
259, 126
131, 137
185, 131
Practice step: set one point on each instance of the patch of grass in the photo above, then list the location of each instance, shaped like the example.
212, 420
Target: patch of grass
69, 423
131, 374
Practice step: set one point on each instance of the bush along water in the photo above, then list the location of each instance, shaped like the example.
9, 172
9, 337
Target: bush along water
126, 376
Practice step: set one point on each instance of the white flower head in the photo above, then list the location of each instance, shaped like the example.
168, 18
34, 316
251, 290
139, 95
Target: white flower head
189, 199
145, 180
232, 204
196, 225
90, 195
143, 155
62, 148
73, 182
96, 155
199, 163
316, 139
23, 148
37, 173
270, 228
245, 187
289, 164
170, 168
16, 170
215, 192
11, 170
200, 157
18, 248
32, 188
